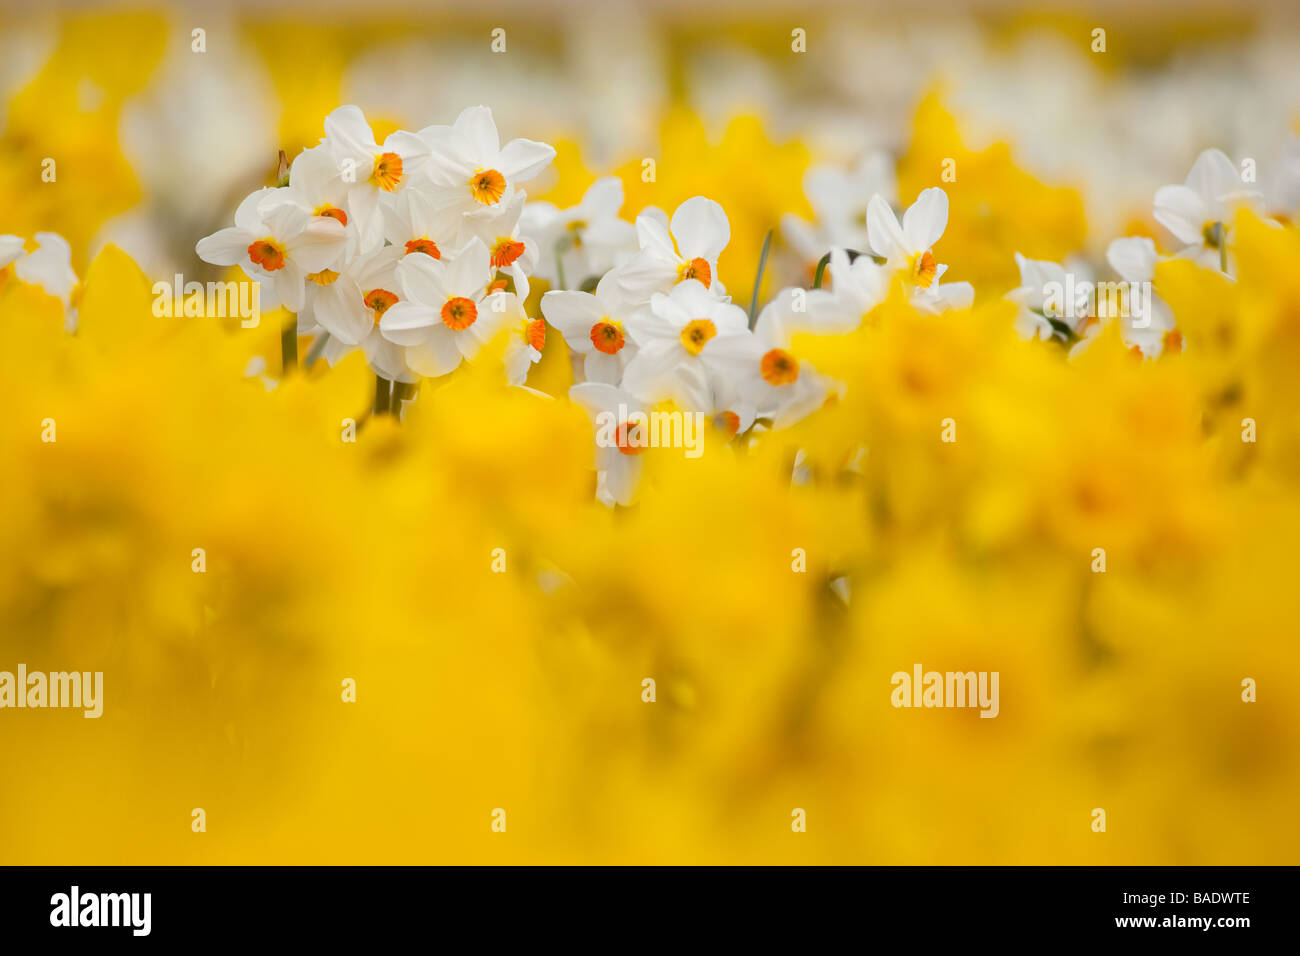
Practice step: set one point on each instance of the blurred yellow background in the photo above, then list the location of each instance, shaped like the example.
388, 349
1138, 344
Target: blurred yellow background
522, 690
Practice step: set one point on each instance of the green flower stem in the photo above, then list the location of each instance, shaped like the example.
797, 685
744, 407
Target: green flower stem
758, 278
289, 345
383, 395
561, 247
825, 260
317, 348
822, 263
401, 392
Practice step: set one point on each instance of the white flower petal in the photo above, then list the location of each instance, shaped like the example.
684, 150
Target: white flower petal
290, 282
652, 236
600, 367
1133, 257
340, 311
50, 266
409, 323
387, 359
603, 198
437, 355
883, 231
350, 137
573, 313
619, 482
248, 215
692, 301
1183, 212
469, 270
599, 397
522, 159
956, 295
423, 280
649, 376
701, 229
925, 220
11, 249
1213, 176
476, 125
225, 247
319, 245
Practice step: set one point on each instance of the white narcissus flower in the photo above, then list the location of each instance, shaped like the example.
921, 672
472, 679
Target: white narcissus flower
732, 415
907, 250
278, 243
371, 171
445, 313
857, 287
49, 266
1152, 332
348, 306
686, 248
682, 345
524, 347
839, 200
588, 239
619, 442
1040, 295
1200, 211
732, 411
944, 296
763, 375
782, 385
599, 327
510, 252
471, 166
844, 196
418, 224
315, 185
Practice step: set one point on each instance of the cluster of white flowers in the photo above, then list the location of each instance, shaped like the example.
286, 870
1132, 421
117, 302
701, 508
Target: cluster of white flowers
1198, 213
409, 250
660, 326
419, 251
49, 266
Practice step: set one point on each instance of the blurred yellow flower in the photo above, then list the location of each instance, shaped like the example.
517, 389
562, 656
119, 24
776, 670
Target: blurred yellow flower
239, 547
996, 208
753, 178
61, 169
